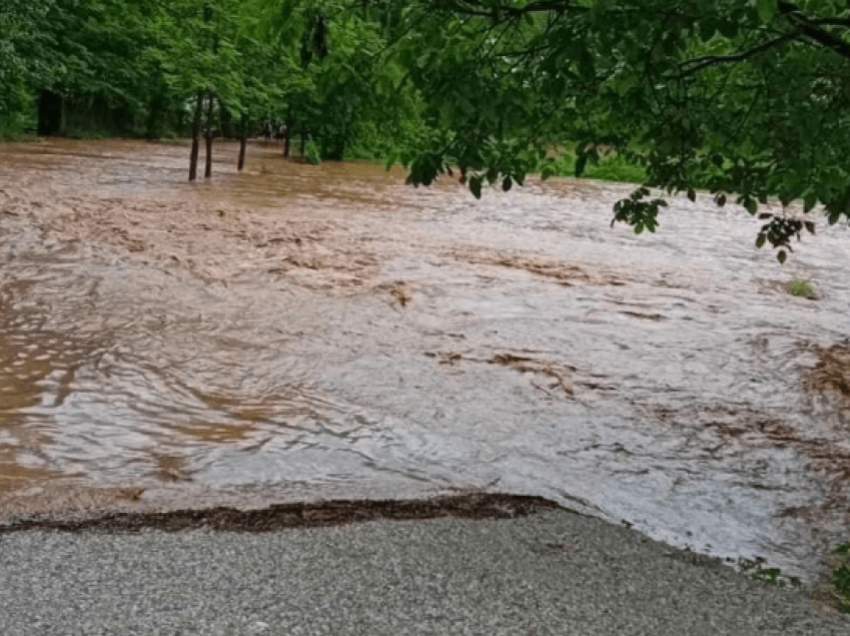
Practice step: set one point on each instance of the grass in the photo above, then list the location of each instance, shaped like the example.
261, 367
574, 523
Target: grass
6, 136
834, 594
611, 167
771, 576
87, 135
802, 288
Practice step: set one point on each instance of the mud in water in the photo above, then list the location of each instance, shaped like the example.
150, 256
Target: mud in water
298, 333
476, 506
830, 377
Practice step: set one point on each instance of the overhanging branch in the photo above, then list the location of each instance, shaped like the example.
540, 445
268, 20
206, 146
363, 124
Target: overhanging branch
697, 64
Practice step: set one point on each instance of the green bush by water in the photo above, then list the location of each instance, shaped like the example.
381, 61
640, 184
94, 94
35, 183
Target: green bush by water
609, 168
312, 154
802, 288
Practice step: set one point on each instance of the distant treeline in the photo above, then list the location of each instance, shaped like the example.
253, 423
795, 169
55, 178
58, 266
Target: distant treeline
156, 68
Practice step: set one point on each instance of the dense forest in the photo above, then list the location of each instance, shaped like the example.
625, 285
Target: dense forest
151, 68
747, 99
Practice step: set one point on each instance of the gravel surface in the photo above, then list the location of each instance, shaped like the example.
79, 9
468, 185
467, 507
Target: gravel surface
554, 572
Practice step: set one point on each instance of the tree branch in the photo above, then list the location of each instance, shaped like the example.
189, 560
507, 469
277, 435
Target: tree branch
695, 65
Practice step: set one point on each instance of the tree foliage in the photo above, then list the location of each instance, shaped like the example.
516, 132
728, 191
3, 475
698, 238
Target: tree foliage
143, 63
745, 98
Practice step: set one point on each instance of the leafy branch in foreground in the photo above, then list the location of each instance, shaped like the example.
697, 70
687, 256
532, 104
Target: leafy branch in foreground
748, 100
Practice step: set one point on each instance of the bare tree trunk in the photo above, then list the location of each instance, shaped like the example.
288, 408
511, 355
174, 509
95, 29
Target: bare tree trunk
243, 136
209, 138
287, 135
196, 132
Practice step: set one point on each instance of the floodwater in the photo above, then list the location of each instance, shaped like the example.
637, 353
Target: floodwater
297, 332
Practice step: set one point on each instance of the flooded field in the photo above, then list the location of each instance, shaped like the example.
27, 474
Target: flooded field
297, 332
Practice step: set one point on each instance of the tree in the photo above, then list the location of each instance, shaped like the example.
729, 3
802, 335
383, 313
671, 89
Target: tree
23, 60
201, 62
99, 75
338, 87
746, 98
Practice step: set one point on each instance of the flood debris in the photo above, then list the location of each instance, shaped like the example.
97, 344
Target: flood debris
400, 294
565, 274
831, 374
644, 316
445, 357
524, 364
172, 468
560, 377
323, 514
744, 426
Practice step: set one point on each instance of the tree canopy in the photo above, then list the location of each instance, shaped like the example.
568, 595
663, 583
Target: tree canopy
747, 99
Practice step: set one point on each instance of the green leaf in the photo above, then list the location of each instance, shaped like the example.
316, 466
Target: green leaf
475, 186
782, 257
810, 201
766, 9
761, 240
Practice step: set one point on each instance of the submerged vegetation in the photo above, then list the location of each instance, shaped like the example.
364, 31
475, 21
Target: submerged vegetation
802, 288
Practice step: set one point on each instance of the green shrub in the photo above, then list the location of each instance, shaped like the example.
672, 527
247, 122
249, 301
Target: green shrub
802, 288
312, 154
611, 167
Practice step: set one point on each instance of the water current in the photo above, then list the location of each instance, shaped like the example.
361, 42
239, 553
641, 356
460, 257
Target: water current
299, 332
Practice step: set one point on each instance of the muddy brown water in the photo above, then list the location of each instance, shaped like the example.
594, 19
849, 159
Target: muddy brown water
295, 333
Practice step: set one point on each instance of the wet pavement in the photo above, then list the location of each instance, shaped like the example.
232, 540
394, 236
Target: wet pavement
300, 332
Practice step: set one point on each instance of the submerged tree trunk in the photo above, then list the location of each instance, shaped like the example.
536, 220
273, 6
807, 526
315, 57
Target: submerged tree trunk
243, 137
287, 135
209, 138
196, 133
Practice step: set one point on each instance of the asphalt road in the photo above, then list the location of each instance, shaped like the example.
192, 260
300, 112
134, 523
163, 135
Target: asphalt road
554, 572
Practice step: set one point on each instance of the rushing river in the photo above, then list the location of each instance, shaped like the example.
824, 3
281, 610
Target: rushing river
300, 332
